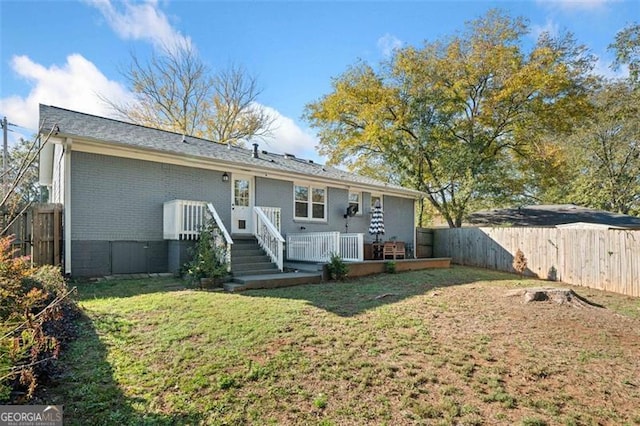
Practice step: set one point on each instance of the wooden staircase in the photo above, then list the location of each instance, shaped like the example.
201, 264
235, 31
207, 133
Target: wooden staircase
252, 268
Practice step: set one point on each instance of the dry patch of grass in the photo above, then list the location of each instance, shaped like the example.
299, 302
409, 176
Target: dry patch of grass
441, 347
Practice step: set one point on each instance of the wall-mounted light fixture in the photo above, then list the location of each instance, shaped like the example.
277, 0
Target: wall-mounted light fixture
225, 177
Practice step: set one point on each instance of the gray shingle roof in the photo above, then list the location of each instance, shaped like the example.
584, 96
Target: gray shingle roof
118, 133
551, 215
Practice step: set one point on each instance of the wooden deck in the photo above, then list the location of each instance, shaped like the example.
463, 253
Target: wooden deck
371, 267
312, 273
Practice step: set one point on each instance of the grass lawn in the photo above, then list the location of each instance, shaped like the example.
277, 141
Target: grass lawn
428, 347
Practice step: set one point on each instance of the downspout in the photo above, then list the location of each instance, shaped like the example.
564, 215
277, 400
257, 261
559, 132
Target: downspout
66, 146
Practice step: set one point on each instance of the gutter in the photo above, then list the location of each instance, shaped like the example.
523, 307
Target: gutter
119, 149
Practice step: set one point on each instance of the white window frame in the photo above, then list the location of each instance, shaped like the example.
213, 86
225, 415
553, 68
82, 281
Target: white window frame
359, 203
310, 202
372, 204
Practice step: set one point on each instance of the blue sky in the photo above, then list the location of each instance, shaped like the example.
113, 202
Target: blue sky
66, 53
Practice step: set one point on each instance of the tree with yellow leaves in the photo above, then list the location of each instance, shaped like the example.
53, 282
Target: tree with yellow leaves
455, 117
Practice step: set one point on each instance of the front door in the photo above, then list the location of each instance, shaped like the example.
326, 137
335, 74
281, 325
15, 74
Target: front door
242, 205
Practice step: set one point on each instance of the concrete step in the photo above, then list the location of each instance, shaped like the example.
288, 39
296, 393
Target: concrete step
253, 266
265, 271
283, 279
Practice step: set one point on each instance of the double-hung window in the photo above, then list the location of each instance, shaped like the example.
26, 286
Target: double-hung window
355, 202
376, 198
310, 202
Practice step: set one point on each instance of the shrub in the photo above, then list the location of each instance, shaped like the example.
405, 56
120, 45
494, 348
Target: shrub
209, 260
337, 268
390, 267
520, 262
35, 318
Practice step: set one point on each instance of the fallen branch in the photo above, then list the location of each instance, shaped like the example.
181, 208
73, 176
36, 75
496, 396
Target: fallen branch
382, 296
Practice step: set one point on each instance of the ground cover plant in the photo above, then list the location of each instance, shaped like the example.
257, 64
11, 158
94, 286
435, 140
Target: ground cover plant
427, 347
36, 319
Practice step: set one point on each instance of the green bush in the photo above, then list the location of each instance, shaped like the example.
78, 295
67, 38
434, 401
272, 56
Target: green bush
337, 268
36, 316
209, 260
390, 267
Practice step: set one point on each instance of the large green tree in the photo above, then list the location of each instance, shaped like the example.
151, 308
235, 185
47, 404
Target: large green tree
606, 151
627, 50
455, 117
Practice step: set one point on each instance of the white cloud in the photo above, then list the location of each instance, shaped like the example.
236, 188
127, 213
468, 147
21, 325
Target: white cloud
549, 27
80, 86
77, 85
388, 43
289, 138
569, 5
142, 21
603, 68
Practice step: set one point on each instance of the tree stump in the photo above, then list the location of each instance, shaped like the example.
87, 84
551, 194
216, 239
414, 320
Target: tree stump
561, 296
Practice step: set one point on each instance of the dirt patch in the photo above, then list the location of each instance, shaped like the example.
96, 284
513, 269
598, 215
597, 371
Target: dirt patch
546, 358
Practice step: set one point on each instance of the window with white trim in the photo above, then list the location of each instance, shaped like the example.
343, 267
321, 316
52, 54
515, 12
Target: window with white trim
309, 202
355, 200
374, 198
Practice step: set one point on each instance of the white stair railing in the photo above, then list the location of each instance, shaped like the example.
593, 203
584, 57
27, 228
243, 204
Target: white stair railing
268, 235
228, 242
273, 213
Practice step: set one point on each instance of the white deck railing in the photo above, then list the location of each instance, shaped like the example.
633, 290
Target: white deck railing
268, 234
319, 246
183, 219
352, 247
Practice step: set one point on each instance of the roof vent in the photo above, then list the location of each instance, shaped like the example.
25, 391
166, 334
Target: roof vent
255, 150
289, 156
184, 139
311, 161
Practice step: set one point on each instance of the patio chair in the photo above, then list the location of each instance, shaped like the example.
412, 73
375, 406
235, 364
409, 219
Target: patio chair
393, 250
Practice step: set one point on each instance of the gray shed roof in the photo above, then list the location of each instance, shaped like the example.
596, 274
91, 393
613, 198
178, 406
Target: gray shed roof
551, 215
118, 133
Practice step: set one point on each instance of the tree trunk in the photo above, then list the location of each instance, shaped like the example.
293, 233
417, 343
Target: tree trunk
561, 296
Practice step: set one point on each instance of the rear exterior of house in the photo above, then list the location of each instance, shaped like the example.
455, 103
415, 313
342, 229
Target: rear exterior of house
124, 186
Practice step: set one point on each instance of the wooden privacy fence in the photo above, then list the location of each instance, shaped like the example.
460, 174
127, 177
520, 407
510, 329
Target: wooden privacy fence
424, 243
604, 259
38, 233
